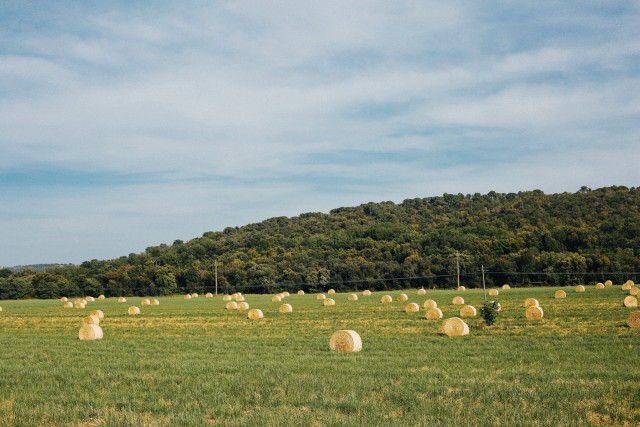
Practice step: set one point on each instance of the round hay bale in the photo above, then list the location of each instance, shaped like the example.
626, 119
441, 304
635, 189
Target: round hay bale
68, 304
608, 283
79, 304
331, 291
155, 301
422, 291
580, 288
285, 308
232, 305
412, 307
133, 310
243, 305
493, 292
430, 304
457, 301
101, 297
531, 302
506, 287
634, 319
281, 295
329, 301
285, 294
98, 313
455, 327
599, 285
90, 299
91, 320
187, 296
208, 295
634, 291
90, 332
145, 301
347, 341
239, 298
630, 301
194, 295
276, 298
366, 293
352, 297
386, 299
64, 299
433, 313
84, 301
300, 292
461, 288
254, 314
320, 296
627, 286
403, 297
122, 299
534, 312
227, 298
468, 311
560, 294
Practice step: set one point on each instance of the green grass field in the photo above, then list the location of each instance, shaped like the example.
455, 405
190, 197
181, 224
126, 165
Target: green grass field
194, 363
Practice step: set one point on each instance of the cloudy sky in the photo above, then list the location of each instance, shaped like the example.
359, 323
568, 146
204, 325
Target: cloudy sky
125, 125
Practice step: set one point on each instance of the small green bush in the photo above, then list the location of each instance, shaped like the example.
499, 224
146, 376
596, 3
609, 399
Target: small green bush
489, 311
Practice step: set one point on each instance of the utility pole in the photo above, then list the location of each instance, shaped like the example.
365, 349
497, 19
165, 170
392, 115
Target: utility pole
215, 266
458, 268
483, 285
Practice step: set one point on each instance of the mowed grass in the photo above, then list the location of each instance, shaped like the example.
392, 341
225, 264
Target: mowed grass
194, 363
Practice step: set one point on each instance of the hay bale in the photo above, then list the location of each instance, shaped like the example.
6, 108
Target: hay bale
531, 302
433, 313
630, 301
403, 297
386, 299
300, 292
634, 291
227, 298
506, 287
493, 292
329, 301
239, 298
627, 286
91, 320
254, 314
101, 297
412, 307
90, 299
534, 312
608, 283
468, 311
79, 304
133, 310
242, 305
194, 295
145, 301
285, 308
352, 297
68, 304
599, 285
580, 288
320, 296
84, 301
98, 313
331, 291
366, 293
455, 327
422, 291
285, 294
122, 299
634, 319
461, 288
64, 299
429, 304
457, 301
187, 296
276, 298
232, 305
560, 294
347, 341
90, 332
208, 295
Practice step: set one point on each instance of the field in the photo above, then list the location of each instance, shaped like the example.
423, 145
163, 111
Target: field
194, 363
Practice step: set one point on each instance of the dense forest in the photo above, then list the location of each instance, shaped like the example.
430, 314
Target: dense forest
524, 239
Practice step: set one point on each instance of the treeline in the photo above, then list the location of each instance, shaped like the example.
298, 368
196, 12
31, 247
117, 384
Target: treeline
526, 238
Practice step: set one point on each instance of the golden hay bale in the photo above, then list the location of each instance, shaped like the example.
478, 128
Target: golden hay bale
634, 291
285, 294
194, 295
208, 295
531, 302
276, 298
430, 304
155, 301
352, 297
90, 332
145, 301
320, 296
254, 314
79, 304
461, 288
534, 312
457, 301
386, 299
300, 292
634, 319
91, 320
68, 304
580, 288
627, 286
285, 308
227, 298
101, 297
187, 296
631, 301
422, 291
455, 327
84, 301
433, 313
403, 297
366, 293
412, 307
243, 305
232, 305
609, 283
122, 299
599, 285
347, 341
331, 291
506, 287
98, 313
493, 292
329, 301
560, 294
64, 299
90, 299
468, 311
239, 298
133, 310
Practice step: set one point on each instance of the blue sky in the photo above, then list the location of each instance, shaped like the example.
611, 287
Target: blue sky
124, 126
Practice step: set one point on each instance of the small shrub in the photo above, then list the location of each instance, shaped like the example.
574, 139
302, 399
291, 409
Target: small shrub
489, 311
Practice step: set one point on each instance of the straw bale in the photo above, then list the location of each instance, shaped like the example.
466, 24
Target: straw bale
79, 304
254, 314
98, 313
534, 312
91, 320
430, 304
530, 302
422, 291
331, 291
84, 301
187, 296
599, 285
232, 305
155, 301
300, 292
461, 288
627, 286
412, 307
243, 305
345, 341
133, 310
90, 299
608, 283
634, 319
329, 301
90, 332
433, 313
68, 304
276, 298
145, 301
493, 292
101, 297
386, 299
208, 295
227, 298
122, 299
455, 327
631, 301
239, 298
366, 293
457, 301
285, 308
320, 296
560, 294
403, 297
468, 311
285, 293
352, 297
506, 287
64, 299
580, 288
634, 291
194, 295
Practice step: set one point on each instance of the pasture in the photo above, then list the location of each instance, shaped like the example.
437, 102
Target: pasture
195, 363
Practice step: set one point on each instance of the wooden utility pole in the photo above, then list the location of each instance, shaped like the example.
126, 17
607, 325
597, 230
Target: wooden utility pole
458, 268
215, 266
483, 285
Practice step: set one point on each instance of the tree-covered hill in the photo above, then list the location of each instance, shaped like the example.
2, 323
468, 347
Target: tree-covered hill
520, 238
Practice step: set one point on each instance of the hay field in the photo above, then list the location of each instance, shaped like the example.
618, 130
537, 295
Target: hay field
193, 362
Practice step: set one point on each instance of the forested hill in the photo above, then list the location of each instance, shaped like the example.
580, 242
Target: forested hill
522, 239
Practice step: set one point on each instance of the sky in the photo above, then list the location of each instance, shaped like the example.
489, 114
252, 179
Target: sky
124, 125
